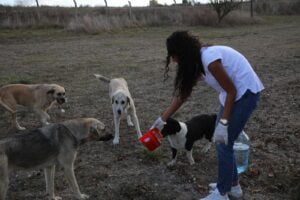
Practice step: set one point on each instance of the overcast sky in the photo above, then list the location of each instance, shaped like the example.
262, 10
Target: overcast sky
88, 2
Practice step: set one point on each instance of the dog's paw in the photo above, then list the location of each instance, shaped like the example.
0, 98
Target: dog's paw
192, 162
21, 128
171, 164
55, 198
130, 124
116, 141
62, 110
83, 196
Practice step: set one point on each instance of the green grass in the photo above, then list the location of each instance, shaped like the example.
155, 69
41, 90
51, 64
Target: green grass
281, 19
154, 156
29, 33
15, 79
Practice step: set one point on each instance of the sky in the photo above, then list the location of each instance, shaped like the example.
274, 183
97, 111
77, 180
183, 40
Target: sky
88, 2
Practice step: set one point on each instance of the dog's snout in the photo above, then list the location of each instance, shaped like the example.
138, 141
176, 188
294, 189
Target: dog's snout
61, 100
119, 112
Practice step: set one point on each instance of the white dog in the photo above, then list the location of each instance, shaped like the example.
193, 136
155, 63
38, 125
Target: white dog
122, 103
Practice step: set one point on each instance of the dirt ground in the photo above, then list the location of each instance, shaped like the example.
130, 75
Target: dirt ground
128, 171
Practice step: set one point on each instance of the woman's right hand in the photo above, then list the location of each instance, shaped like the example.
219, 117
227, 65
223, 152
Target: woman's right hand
221, 134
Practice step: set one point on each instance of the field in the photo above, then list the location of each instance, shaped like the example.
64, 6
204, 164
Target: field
128, 171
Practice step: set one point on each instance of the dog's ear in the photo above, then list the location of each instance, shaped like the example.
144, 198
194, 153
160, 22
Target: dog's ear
172, 127
51, 91
128, 100
112, 100
175, 125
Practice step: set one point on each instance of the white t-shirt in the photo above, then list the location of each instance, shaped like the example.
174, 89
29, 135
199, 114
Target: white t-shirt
237, 67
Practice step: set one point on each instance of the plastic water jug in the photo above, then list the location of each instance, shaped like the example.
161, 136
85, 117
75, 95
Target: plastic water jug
241, 149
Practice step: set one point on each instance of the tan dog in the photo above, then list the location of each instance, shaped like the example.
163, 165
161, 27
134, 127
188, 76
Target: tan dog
38, 98
122, 103
44, 148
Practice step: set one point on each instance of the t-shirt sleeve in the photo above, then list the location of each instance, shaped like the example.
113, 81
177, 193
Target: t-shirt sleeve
210, 55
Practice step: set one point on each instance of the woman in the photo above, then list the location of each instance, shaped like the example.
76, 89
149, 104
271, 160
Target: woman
229, 73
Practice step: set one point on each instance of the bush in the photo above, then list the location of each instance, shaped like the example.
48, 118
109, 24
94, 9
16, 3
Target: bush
277, 7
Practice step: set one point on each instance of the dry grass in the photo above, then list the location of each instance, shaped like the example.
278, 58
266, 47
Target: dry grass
278, 7
99, 19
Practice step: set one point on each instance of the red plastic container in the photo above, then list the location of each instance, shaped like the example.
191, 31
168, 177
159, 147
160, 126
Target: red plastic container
151, 139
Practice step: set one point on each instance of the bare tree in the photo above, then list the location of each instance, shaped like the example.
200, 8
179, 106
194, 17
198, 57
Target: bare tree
153, 3
175, 2
224, 7
105, 1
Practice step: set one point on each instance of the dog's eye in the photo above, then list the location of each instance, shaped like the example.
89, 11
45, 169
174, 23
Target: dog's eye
63, 93
122, 102
116, 102
59, 94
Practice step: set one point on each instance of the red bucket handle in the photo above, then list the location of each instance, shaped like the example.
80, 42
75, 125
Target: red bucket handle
157, 133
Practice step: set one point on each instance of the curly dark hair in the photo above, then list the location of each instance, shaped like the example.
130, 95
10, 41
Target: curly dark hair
186, 47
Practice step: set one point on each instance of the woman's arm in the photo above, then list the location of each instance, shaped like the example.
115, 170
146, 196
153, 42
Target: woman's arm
175, 105
217, 70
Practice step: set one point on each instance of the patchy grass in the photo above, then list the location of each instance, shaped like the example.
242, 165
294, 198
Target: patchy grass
5, 80
281, 19
155, 156
138, 55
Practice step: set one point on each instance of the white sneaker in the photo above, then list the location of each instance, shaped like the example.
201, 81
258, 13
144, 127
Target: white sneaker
215, 195
236, 191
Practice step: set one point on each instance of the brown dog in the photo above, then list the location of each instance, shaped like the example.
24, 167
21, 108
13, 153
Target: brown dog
38, 98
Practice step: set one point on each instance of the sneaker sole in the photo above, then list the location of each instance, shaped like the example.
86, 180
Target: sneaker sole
212, 187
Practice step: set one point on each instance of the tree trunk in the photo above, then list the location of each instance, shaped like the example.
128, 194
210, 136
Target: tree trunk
37, 3
130, 13
224, 7
251, 8
105, 3
76, 13
38, 9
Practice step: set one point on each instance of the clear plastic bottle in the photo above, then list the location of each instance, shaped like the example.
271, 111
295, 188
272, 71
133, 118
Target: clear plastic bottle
241, 149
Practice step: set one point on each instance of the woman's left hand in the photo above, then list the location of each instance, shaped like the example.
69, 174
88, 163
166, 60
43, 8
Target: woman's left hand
159, 123
221, 134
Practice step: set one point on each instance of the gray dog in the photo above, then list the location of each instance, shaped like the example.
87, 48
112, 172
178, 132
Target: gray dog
44, 148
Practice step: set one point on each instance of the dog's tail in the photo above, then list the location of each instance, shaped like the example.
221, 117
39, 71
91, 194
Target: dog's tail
102, 78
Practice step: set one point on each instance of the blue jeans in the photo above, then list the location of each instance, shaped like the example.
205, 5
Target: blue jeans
240, 113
